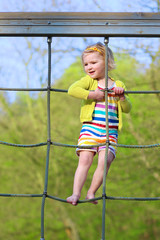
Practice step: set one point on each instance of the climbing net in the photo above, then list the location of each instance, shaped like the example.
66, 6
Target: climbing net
49, 143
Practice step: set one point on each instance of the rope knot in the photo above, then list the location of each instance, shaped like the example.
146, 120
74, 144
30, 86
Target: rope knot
45, 193
104, 195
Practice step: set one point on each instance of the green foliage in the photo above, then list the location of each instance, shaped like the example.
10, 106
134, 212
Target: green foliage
134, 173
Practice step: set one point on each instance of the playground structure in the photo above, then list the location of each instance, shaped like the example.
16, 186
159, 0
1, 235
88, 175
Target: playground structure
63, 24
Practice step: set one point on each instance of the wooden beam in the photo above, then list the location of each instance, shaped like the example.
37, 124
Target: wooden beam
69, 24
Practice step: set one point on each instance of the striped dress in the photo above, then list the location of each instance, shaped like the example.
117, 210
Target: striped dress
94, 132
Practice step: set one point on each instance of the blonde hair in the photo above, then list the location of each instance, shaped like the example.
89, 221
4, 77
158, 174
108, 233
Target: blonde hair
100, 48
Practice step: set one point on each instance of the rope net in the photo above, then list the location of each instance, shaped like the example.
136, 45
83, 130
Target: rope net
50, 143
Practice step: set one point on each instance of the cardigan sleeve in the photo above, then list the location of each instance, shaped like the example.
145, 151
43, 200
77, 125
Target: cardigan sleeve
126, 105
80, 89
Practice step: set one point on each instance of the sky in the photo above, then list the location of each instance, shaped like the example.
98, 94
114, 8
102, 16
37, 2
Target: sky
77, 6
59, 5
23, 61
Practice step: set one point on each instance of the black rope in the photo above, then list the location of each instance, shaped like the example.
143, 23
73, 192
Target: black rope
23, 145
65, 91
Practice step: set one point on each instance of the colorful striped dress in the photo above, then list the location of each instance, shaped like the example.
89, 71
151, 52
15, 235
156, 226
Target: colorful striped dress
94, 132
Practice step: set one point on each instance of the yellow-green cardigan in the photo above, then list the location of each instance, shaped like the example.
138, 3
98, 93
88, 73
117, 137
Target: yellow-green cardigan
80, 89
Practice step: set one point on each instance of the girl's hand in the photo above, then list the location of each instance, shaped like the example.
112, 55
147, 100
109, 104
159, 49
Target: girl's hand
119, 92
97, 95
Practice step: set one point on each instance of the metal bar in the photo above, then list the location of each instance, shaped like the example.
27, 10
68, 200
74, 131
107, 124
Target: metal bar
49, 40
80, 24
106, 40
80, 31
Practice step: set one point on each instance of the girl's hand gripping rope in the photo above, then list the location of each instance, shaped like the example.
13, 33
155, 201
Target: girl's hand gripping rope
119, 92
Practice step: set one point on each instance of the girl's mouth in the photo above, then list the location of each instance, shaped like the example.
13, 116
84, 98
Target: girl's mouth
92, 72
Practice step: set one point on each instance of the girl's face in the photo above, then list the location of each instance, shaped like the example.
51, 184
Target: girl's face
94, 65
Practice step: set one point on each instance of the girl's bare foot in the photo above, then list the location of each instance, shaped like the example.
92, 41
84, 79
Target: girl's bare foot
73, 199
91, 196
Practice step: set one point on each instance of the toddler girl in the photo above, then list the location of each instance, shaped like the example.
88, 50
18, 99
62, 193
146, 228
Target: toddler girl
93, 117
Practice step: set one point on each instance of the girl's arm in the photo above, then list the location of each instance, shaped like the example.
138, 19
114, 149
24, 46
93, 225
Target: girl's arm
83, 89
80, 89
97, 95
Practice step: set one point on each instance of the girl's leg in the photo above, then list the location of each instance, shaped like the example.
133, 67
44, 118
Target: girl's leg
98, 174
85, 161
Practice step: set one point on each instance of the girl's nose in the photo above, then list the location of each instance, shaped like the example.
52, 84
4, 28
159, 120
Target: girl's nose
89, 66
